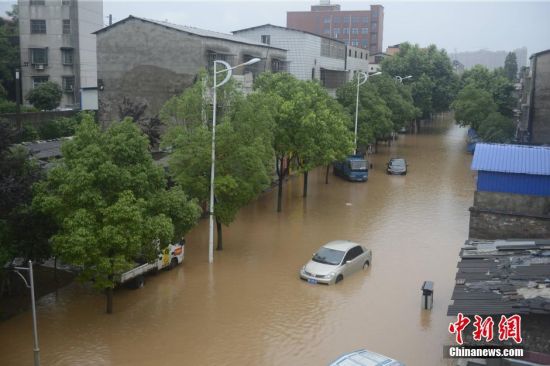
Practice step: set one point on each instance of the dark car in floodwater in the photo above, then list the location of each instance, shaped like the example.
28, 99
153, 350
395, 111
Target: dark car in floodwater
397, 166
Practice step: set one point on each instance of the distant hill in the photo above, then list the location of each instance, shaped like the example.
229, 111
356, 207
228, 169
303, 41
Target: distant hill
490, 59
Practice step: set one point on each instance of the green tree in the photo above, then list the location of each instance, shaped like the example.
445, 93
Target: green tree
9, 49
243, 150
472, 106
511, 66
497, 128
111, 203
434, 84
45, 96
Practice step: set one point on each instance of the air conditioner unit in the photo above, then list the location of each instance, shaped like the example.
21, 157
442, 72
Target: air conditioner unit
39, 67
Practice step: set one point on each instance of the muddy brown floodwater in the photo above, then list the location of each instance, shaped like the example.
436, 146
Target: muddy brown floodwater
250, 307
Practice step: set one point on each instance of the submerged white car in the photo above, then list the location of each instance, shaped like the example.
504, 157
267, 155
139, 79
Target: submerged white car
334, 261
365, 358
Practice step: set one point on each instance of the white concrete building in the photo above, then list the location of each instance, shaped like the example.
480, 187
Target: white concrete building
57, 45
309, 56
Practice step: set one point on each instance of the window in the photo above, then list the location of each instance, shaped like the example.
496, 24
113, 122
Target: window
38, 26
364, 43
39, 56
355, 43
67, 56
373, 38
374, 26
336, 20
65, 2
313, 73
68, 83
364, 30
355, 20
326, 20
353, 253
37, 80
345, 30
349, 53
355, 54
38, 2
366, 20
336, 32
326, 31
266, 39
346, 42
361, 55
354, 31
66, 26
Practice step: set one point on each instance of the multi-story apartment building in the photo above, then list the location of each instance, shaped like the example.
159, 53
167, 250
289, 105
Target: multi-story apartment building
57, 45
358, 28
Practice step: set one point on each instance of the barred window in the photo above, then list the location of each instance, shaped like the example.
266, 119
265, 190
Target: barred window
66, 26
39, 56
38, 26
67, 56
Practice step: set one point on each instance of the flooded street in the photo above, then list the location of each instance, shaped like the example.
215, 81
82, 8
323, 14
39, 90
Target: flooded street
251, 308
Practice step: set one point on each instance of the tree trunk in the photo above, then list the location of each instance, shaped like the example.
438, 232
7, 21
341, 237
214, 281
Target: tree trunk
305, 183
219, 228
109, 296
326, 174
281, 174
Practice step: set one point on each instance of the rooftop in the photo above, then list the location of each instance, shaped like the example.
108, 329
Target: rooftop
191, 30
520, 159
502, 277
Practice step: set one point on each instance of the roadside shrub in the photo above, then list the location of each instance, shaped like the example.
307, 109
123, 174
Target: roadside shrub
60, 127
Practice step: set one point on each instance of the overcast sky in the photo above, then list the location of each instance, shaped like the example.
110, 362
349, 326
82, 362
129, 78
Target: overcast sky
455, 26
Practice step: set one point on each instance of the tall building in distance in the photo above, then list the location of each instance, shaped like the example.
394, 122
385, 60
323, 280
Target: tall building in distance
57, 45
358, 28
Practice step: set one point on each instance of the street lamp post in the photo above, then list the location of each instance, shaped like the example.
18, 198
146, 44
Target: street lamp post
362, 78
30, 286
400, 78
228, 69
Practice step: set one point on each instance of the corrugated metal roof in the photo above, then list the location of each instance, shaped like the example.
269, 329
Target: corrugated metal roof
521, 159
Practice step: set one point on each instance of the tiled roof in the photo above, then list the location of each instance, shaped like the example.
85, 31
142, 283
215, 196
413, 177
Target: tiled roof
521, 159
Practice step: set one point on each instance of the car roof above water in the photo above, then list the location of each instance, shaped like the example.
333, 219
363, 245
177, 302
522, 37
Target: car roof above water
365, 358
343, 245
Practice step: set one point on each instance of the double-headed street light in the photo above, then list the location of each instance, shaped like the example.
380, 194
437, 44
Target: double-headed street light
228, 69
400, 78
362, 78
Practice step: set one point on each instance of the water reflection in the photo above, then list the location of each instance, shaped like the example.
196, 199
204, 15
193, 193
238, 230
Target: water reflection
250, 308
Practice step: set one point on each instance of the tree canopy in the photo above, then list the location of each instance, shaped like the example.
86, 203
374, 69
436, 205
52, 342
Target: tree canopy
45, 96
111, 202
511, 66
472, 106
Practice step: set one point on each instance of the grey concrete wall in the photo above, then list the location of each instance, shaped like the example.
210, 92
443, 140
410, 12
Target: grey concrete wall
512, 203
149, 63
493, 225
541, 101
506, 216
34, 119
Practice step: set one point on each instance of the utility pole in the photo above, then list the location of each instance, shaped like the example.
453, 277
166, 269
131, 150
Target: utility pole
18, 100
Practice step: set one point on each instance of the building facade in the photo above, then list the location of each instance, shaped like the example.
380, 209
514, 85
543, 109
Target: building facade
57, 44
512, 199
534, 120
358, 28
310, 56
148, 61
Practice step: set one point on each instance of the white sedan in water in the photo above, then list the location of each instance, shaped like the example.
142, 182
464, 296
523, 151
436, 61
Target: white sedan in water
334, 261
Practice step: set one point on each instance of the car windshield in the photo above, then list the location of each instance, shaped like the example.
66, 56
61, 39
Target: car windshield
328, 256
358, 164
397, 162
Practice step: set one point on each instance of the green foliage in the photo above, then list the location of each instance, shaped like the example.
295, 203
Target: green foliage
310, 129
497, 128
110, 201
472, 106
45, 96
23, 232
60, 127
495, 83
511, 66
434, 84
9, 49
243, 148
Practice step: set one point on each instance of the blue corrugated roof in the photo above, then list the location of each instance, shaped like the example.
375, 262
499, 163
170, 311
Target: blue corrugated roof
519, 159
